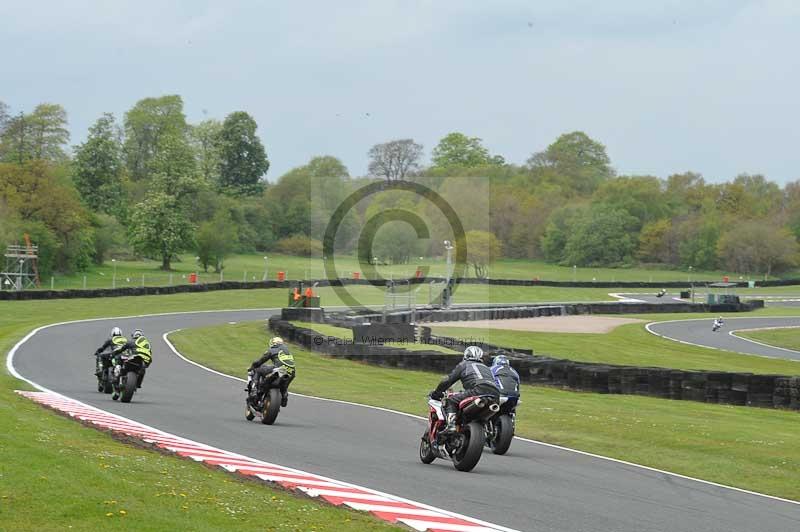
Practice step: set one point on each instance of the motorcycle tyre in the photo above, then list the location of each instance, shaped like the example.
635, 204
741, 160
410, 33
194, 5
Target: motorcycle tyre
272, 405
503, 435
426, 454
131, 380
467, 458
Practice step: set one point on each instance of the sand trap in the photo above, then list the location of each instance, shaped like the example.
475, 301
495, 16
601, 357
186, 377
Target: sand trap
562, 324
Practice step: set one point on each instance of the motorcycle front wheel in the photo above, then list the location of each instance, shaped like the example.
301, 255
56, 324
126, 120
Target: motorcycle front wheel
469, 453
426, 454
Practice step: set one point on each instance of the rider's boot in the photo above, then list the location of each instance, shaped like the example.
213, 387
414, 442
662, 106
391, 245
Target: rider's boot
451, 423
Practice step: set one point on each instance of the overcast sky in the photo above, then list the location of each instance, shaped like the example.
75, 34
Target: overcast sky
709, 86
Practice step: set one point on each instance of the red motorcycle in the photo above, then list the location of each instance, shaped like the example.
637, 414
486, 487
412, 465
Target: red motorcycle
464, 445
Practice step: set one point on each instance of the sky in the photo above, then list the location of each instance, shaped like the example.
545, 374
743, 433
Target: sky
670, 86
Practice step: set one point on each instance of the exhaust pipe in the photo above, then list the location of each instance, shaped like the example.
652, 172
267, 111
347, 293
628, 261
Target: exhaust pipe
474, 407
494, 407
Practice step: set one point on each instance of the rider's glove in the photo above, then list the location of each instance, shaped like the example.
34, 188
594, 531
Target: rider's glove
250, 372
436, 395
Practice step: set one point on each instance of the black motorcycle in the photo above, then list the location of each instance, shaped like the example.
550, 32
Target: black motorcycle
129, 368
104, 371
500, 427
265, 401
465, 445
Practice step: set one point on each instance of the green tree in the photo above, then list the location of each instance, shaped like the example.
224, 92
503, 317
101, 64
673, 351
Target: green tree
40, 135
758, 247
459, 150
395, 242
483, 248
160, 227
641, 196
216, 239
654, 241
109, 237
156, 138
574, 162
603, 236
204, 138
698, 237
98, 167
243, 159
559, 227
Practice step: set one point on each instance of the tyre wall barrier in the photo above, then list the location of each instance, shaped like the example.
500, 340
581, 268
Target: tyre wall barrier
746, 389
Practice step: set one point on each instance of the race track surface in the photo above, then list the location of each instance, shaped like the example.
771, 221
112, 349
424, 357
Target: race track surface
534, 487
699, 332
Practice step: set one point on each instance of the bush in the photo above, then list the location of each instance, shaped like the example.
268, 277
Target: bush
299, 245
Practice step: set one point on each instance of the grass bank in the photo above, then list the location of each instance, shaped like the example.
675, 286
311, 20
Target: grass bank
788, 338
746, 447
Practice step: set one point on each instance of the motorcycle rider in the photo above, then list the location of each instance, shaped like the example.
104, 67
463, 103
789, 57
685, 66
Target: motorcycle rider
138, 345
506, 377
277, 354
114, 341
476, 379
717, 323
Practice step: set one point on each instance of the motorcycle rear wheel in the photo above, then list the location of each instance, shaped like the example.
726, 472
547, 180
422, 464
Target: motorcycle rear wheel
469, 454
131, 380
272, 405
504, 433
426, 454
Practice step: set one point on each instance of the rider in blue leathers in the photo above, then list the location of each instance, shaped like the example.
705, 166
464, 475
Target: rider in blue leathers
506, 377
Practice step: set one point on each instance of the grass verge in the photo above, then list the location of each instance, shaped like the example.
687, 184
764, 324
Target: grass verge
57, 475
788, 338
745, 447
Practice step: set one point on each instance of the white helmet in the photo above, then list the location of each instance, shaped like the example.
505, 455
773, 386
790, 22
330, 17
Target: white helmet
116, 331
473, 353
137, 333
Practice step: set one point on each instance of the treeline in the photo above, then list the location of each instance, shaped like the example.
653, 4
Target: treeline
154, 185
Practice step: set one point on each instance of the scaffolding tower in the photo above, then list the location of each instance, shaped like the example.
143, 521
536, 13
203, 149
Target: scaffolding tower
21, 269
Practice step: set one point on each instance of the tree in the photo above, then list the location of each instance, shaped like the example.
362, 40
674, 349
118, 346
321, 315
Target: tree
215, 240
98, 167
653, 238
156, 138
109, 237
641, 196
482, 250
395, 242
394, 160
698, 237
603, 236
204, 138
160, 227
758, 247
5, 116
458, 150
560, 225
243, 159
40, 135
575, 162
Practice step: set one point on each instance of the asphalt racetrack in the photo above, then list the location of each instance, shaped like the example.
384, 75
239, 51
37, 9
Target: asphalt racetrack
534, 487
699, 332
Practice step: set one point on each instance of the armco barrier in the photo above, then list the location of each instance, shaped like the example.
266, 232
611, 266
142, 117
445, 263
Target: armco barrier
747, 389
237, 285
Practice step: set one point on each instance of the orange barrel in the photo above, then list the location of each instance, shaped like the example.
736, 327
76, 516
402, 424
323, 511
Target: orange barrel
356, 275
192, 278
418, 273
725, 279
281, 276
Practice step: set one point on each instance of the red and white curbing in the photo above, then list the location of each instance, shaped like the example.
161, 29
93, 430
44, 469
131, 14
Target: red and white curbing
387, 507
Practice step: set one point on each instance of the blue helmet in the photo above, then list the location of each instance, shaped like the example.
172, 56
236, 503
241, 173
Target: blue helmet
500, 360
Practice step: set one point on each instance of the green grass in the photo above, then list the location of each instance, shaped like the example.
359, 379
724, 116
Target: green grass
56, 474
252, 267
746, 447
629, 344
347, 334
788, 338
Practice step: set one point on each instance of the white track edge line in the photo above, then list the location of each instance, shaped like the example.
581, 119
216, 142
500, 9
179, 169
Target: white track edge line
528, 440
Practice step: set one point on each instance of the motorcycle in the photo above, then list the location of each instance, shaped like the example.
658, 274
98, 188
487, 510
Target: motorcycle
500, 427
662, 293
266, 401
104, 372
464, 445
127, 374
716, 326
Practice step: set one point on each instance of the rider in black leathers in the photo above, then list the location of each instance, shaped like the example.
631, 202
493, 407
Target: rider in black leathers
277, 355
476, 379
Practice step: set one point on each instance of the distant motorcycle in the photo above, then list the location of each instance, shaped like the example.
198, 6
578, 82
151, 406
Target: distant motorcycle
662, 293
465, 445
265, 402
716, 326
104, 371
127, 374
500, 427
